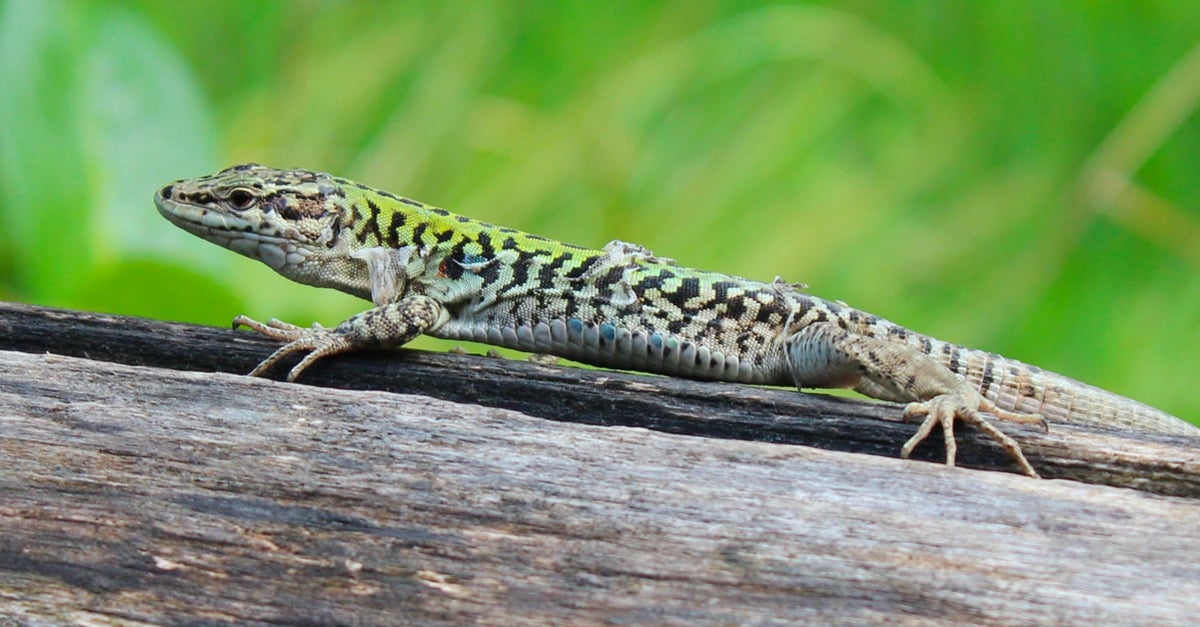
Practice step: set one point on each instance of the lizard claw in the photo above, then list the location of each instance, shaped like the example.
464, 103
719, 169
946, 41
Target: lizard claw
944, 409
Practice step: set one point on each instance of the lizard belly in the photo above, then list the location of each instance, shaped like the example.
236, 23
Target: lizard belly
612, 346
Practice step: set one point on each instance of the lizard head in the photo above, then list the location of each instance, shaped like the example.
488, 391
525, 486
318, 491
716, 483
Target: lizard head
290, 220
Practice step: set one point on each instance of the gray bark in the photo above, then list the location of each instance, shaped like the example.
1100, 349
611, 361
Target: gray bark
145, 494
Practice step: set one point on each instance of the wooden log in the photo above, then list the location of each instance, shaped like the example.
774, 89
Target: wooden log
1167, 465
142, 494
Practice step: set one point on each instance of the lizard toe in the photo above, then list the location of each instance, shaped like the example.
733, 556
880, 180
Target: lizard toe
937, 411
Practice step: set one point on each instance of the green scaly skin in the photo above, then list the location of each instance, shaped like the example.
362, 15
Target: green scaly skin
430, 271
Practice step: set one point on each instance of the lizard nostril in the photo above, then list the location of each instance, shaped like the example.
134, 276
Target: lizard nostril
166, 191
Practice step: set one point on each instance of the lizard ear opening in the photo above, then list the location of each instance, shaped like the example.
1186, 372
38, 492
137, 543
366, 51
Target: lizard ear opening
335, 231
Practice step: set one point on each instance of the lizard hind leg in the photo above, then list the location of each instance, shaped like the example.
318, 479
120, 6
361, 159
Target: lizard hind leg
827, 355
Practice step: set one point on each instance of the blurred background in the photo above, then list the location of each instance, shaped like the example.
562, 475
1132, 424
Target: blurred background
1014, 175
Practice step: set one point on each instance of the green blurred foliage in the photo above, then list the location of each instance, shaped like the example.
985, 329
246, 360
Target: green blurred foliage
1014, 175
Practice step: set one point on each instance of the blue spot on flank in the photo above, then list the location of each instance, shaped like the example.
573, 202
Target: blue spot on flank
608, 331
575, 324
471, 259
656, 340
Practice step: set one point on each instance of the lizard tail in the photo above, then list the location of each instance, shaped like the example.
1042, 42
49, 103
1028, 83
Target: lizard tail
1020, 387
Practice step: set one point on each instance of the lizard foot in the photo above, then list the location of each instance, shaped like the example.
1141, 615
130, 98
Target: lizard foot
945, 408
317, 340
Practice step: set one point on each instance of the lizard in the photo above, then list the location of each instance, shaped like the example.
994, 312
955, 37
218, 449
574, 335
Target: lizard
430, 271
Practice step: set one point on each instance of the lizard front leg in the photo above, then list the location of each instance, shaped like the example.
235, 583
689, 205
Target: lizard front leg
826, 355
386, 326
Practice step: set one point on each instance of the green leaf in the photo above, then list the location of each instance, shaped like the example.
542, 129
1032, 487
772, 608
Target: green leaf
99, 113
43, 197
145, 124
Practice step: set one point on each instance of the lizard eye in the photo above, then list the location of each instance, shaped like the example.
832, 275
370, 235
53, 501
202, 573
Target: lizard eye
241, 199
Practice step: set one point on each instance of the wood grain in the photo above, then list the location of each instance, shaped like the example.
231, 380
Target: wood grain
142, 494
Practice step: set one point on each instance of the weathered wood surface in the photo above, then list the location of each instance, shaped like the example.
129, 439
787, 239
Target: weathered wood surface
1160, 464
146, 494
